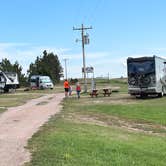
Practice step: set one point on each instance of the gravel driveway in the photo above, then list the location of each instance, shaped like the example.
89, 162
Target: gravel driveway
18, 124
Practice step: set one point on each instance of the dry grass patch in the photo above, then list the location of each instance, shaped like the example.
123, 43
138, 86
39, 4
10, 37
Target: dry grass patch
113, 121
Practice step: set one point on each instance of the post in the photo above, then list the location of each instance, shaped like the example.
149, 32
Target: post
83, 53
65, 68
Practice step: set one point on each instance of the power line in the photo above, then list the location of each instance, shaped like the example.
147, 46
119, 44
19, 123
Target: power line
85, 40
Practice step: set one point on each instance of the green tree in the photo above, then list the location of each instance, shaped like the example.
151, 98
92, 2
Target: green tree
6, 66
48, 65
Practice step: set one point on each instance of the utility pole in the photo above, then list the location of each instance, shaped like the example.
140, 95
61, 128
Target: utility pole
85, 40
65, 59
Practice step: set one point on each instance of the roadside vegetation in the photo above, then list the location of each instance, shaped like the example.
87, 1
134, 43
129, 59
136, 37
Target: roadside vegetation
116, 130
15, 99
20, 97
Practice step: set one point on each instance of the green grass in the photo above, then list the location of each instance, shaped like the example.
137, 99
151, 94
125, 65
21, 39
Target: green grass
84, 133
63, 142
20, 96
154, 112
15, 99
2, 110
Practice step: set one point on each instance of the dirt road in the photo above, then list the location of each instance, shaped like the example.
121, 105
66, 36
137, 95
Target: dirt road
18, 124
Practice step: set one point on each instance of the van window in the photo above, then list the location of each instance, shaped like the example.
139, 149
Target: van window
45, 79
33, 80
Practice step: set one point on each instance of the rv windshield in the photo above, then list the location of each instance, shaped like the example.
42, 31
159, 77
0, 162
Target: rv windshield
144, 67
45, 79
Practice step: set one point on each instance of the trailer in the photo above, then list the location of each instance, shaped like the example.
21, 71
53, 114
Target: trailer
8, 80
41, 82
146, 76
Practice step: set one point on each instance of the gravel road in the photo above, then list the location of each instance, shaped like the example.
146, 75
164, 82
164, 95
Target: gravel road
18, 124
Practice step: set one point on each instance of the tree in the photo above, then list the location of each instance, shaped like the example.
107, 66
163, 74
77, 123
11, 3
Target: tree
6, 66
48, 65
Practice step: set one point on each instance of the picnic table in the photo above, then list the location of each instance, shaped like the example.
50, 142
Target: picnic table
107, 92
94, 93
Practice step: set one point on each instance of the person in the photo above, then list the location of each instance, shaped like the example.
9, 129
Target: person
78, 89
70, 90
66, 87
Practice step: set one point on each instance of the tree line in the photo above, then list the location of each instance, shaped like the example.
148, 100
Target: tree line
47, 64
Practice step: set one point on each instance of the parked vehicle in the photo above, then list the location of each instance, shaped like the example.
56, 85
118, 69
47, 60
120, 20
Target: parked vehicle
41, 82
8, 80
146, 75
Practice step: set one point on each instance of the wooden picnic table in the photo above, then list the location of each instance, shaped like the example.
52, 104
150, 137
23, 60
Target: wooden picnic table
107, 92
94, 93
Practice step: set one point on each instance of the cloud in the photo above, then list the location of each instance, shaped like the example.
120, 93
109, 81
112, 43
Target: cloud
104, 62
26, 53
91, 55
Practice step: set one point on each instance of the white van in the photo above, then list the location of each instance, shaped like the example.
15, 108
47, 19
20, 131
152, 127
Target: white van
41, 82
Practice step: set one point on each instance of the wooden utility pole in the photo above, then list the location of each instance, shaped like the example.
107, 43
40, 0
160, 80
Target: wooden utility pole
65, 59
83, 52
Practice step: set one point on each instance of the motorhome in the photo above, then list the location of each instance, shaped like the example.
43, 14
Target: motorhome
8, 80
146, 75
41, 82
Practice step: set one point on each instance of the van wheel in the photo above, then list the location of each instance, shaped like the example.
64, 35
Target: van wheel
144, 96
161, 94
41, 87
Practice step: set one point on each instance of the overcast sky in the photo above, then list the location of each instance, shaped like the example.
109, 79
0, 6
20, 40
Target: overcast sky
121, 29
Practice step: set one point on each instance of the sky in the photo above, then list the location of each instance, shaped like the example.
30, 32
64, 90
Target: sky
120, 29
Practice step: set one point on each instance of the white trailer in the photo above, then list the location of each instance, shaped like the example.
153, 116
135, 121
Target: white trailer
8, 80
146, 75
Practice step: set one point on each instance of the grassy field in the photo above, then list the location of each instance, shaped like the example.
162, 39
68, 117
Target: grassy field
118, 131
20, 97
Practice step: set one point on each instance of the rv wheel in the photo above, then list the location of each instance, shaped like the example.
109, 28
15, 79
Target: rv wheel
6, 90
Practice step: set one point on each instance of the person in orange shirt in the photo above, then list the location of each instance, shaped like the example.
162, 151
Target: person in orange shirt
66, 87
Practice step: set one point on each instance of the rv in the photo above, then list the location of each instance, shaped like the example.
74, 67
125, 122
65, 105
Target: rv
8, 80
41, 82
146, 75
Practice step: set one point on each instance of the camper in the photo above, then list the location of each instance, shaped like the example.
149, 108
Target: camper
8, 80
146, 75
41, 82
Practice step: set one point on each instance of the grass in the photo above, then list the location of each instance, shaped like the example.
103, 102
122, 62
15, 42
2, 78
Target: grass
15, 99
63, 142
20, 96
152, 111
2, 110
117, 130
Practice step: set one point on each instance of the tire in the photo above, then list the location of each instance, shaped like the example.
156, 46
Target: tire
161, 94
144, 95
6, 90
42, 88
